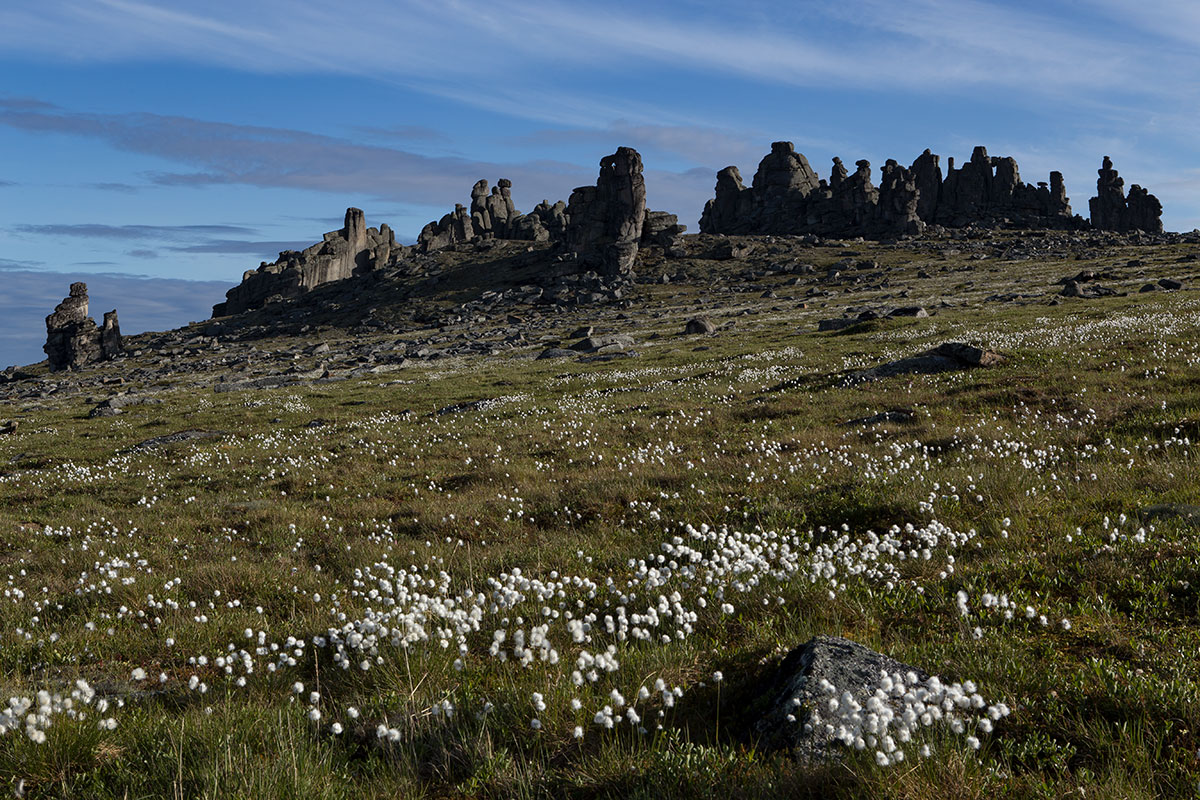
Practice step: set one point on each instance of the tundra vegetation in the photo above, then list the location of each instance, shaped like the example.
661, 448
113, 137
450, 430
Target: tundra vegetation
501, 576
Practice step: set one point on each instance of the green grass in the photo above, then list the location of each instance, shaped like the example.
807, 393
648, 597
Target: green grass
579, 470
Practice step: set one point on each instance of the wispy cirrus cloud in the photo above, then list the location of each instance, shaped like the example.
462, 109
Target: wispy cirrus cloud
171, 238
13, 263
239, 246
227, 153
520, 52
159, 232
114, 186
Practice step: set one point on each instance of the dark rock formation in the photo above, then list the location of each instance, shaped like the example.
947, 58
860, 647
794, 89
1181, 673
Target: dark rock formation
927, 175
493, 215
72, 337
898, 200
605, 221
776, 201
1113, 211
731, 210
661, 228
110, 336
946, 357
457, 226
604, 224
787, 198
802, 688
353, 250
783, 182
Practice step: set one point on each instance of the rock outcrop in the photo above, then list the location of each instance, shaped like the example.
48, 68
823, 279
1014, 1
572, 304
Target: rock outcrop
605, 221
1113, 211
73, 338
786, 197
603, 224
493, 215
353, 250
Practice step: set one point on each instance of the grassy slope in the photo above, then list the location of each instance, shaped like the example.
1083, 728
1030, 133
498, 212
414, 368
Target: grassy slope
578, 469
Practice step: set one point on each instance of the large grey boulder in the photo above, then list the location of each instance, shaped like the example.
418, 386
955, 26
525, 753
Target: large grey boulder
611, 341
946, 357
825, 667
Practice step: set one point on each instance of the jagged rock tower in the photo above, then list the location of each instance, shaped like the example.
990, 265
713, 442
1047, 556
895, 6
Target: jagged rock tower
72, 337
1113, 211
606, 219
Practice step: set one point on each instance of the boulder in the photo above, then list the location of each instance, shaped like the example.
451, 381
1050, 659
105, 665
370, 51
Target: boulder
909, 311
827, 667
699, 325
946, 357
1091, 290
593, 344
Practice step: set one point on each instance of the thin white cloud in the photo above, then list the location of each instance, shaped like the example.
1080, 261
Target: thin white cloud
523, 54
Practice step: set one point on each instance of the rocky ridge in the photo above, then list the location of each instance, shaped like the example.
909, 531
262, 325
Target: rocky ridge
503, 299
788, 197
597, 233
353, 250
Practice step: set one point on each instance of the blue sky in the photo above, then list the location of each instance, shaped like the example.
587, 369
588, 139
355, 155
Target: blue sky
186, 141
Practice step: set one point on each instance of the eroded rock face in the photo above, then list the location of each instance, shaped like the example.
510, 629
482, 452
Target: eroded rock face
110, 335
787, 198
72, 337
1113, 211
493, 215
731, 209
353, 250
605, 221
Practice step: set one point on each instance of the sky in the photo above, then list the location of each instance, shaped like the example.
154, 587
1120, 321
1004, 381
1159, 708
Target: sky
157, 149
